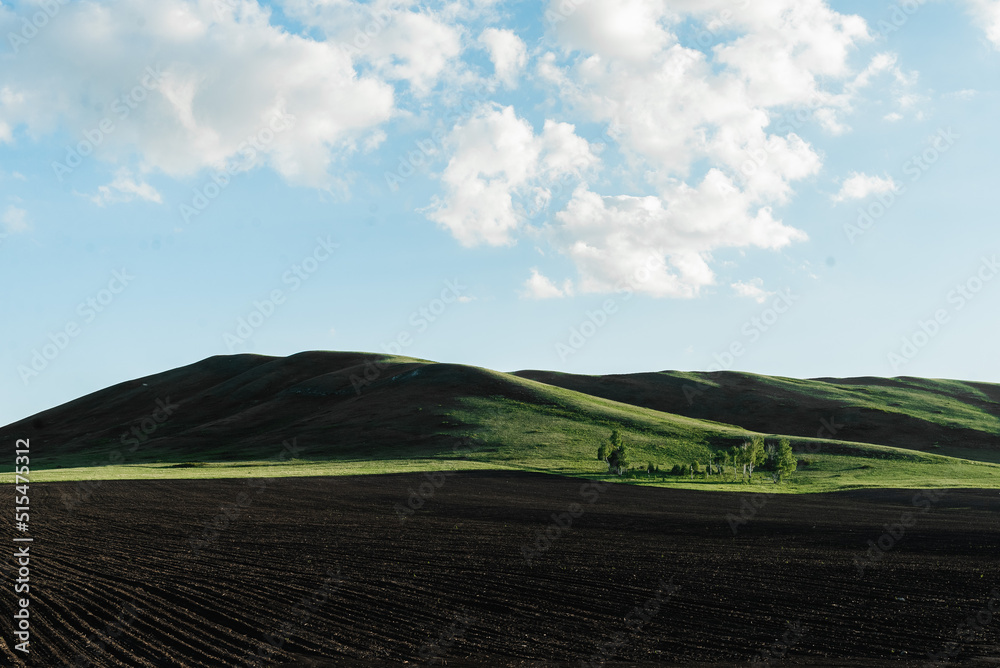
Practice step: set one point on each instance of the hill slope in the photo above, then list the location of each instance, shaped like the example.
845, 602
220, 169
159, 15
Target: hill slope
904, 412
346, 406
334, 413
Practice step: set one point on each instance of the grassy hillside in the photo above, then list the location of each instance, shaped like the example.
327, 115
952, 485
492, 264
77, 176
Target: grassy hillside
326, 413
940, 416
346, 406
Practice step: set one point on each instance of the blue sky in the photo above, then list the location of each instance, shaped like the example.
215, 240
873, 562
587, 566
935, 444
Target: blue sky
794, 188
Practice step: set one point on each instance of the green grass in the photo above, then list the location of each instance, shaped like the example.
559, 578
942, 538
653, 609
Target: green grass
412, 418
826, 473
250, 469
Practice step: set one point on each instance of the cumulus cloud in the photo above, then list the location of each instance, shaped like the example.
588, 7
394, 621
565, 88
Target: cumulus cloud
860, 186
662, 245
630, 30
497, 161
507, 52
125, 188
752, 289
179, 86
698, 127
538, 286
401, 42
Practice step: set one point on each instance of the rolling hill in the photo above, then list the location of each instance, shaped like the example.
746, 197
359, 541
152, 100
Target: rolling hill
916, 413
340, 409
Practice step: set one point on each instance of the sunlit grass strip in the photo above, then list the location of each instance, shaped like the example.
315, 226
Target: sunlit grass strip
825, 473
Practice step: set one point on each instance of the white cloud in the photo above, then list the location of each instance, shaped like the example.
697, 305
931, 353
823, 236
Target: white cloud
15, 220
539, 286
495, 158
987, 14
662, 245
416, 46
964, 94
630, 30
885, 73
225, 72
860, 186
507, 52
698, 129
753, 289
125, 188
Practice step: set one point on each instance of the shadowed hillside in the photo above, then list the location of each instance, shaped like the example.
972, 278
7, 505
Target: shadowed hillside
341, 405
232, 415
904, 412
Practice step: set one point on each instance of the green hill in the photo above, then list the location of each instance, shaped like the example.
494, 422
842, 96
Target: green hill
941, 416
335, 413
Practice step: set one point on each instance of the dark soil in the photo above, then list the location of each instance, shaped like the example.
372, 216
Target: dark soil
117, 580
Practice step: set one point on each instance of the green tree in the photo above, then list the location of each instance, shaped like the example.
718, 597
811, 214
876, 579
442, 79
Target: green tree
786, 459
735, 454
618, 458
755, 453
602, 452
624, 458
616, 439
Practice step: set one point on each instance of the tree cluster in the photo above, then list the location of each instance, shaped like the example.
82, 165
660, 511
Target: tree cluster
753, 454
615, 453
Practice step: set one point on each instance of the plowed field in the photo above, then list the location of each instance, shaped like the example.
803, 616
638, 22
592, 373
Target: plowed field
334, 572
